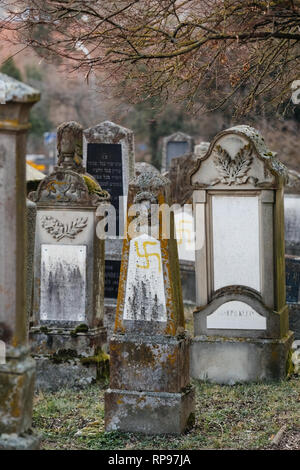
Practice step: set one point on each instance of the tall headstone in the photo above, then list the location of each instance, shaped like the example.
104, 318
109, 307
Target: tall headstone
292, 249
108, 154
175, 145
150, 389
17, 368
67, 332
182, 194
241, 321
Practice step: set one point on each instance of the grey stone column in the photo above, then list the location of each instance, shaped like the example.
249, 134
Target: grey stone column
16, 367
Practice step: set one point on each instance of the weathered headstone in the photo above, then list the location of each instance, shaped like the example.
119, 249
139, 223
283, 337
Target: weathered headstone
67, 332
292, 249
175, 145
141, 167
182, 194
185, 235
241, 322
108, 153
17, 369
150, 389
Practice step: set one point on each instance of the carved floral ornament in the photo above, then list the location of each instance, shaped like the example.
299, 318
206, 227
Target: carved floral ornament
233, 170
59, 230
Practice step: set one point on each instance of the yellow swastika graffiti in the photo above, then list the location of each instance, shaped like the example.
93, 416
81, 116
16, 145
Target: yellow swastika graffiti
147, 255
181, 230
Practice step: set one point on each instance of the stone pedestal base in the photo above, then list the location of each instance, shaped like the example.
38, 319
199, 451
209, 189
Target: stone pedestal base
69, 358
15, 442
149, 412
16, 393
234, 360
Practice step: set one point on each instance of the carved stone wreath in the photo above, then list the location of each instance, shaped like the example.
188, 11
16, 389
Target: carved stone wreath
233, 170
59, 230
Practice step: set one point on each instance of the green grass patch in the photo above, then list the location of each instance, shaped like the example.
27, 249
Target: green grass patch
227, 417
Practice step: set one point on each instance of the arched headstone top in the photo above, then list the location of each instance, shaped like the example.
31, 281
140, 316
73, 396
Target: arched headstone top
177, 137
141, 167
66, 187
107, 130
239, 158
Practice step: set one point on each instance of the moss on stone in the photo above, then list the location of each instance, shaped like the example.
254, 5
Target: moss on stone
101, 360
44, 329
289, 364
63, 355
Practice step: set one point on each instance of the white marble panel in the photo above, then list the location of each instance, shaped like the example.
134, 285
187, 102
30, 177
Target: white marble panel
292, 218
236, 257
63, 282
145, 294
235, 315
185, 234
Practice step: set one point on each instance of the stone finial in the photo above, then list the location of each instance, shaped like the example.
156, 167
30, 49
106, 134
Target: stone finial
69, 146
141, 167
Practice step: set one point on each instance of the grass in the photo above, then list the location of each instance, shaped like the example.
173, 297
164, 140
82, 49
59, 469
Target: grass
227, 417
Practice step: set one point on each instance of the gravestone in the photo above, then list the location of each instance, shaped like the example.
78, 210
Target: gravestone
108, 153
150, 389
185, 235
17, 368
67, 332
175, 145
182, 193
292, 249
241, 321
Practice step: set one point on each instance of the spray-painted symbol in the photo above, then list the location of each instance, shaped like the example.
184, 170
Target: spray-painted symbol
184, 233
147, 255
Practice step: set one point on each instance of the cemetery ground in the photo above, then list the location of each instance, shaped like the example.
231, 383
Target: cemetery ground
242, 416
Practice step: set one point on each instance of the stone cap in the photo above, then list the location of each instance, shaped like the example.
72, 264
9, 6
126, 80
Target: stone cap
12, 90
141, 167
178, 137
108, 131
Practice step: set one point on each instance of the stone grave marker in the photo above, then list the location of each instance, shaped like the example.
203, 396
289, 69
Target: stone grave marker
17, 368
182, 193
292, 249
67, 332
175, 145
108, 153
150, 389
241, 321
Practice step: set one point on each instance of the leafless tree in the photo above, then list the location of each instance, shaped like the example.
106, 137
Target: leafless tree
238, 50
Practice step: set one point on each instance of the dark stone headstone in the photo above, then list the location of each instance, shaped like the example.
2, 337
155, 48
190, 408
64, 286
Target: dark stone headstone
176, 149
174, 146
112, 274
104, 163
